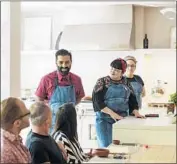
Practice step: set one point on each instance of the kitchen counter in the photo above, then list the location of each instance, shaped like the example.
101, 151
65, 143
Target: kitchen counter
154, 131
159, 123
152, 154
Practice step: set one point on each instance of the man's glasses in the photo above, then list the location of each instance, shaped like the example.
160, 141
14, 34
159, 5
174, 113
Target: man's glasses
20, 117
24, 115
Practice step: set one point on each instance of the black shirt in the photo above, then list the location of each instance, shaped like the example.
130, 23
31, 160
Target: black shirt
101, 88
136, 78
43, 149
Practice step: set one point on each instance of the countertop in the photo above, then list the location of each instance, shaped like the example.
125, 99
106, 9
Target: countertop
152, 154
163, 122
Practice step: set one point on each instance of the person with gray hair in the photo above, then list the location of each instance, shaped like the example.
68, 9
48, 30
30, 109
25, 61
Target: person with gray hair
41, 145
135, 80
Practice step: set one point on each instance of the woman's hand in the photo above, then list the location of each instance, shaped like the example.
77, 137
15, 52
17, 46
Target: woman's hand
115, 116
137, 114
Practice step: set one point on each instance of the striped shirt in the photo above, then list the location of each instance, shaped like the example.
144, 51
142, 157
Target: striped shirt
74, 151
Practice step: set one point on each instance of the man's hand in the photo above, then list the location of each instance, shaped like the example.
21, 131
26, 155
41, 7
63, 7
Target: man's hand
90, 153
137, 114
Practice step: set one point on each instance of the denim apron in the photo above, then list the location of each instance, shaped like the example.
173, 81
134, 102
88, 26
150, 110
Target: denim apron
138, 89
60, 96
116, 98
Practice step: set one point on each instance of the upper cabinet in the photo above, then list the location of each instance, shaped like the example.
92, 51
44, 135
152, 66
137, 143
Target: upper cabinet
159, 29
41, 28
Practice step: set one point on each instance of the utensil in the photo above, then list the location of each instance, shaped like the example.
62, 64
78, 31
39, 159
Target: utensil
151, 115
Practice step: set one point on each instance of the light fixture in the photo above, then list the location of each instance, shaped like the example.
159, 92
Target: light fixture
169, 13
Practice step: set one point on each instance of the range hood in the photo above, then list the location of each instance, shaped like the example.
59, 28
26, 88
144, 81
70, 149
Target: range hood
108, 34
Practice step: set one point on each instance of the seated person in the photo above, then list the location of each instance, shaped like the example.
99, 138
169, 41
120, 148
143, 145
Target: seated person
14, 118
65, 131
41, 145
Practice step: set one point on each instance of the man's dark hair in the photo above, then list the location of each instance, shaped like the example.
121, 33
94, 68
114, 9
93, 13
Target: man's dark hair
63, 52
66, 121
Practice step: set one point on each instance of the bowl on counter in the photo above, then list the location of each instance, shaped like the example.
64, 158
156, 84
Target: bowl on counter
100, 152
116, 142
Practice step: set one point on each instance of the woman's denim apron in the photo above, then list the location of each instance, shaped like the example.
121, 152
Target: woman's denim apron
138, 89
116, 98
61, 95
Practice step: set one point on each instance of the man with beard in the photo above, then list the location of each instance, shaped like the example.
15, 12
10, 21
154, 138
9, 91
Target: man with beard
60, 86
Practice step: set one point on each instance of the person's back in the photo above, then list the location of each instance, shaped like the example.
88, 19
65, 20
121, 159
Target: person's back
75, 154
43, 149
14, 118
65, 132
41, 145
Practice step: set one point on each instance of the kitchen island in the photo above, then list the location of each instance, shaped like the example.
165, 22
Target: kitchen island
152, 154
153, 131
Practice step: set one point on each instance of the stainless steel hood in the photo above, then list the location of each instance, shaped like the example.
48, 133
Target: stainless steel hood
96, 37
109, 29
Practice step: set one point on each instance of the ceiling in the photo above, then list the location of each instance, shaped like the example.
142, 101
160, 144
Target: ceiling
31, 6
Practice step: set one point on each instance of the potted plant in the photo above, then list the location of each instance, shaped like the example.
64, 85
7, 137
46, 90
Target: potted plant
173, 98
172, 103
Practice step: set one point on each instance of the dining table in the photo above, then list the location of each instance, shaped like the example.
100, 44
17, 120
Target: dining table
138, 154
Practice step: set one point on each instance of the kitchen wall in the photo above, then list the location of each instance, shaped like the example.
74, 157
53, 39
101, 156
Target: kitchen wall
90, 65
158, 64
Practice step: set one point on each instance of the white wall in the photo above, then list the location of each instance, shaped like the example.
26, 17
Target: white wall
90, 65
5, 49
159, 65
10, 49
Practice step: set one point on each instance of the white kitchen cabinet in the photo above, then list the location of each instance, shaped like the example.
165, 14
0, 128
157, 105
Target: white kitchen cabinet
87, 131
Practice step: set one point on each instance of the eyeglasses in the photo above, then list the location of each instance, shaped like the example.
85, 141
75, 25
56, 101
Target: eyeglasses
20, 117
24, 115
132, 66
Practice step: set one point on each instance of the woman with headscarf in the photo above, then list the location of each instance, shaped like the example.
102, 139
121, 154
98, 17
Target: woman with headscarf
113, 99
136, 81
